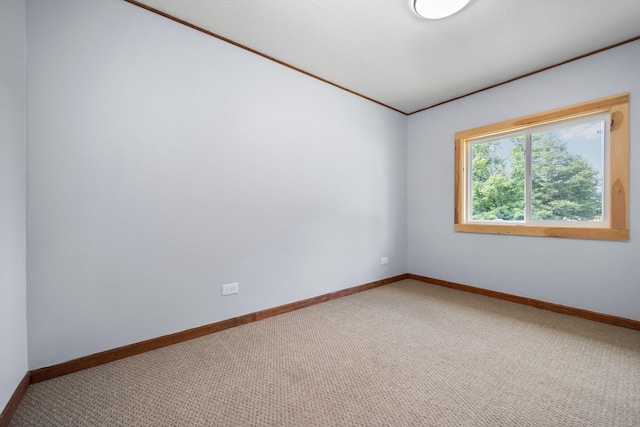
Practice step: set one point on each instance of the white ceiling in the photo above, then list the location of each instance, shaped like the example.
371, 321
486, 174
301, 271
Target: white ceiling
382, 50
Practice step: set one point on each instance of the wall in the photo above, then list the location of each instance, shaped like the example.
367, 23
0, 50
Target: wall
595, 275
13, 292
164, 163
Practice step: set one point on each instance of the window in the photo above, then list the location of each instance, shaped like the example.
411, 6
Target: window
561, 173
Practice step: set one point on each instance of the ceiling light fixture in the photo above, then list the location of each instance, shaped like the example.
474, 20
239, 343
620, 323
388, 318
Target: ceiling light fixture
436, 9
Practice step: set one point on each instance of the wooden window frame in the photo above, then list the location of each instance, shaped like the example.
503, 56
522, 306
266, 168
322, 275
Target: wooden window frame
618, 225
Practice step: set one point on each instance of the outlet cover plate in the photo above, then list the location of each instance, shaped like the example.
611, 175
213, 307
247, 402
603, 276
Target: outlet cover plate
231, 288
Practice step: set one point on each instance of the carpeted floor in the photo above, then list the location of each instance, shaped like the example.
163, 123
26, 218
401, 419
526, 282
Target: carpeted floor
405, 354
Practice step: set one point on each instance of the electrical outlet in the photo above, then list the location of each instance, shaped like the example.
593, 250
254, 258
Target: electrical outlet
231, 288
384, 260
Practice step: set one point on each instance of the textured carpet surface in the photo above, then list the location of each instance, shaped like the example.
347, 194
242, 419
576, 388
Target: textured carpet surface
405, 354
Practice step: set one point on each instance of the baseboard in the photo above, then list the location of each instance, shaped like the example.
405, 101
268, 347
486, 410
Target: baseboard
577, 312
13, 403
107, 356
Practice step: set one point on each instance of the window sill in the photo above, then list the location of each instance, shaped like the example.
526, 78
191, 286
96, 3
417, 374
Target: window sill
598, 233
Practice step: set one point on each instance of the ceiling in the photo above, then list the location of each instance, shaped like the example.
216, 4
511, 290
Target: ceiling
381, 50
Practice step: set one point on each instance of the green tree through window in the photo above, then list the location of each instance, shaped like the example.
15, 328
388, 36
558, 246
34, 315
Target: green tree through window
564, 185
498, 180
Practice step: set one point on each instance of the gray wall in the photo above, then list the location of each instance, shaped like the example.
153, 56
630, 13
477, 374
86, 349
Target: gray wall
164, 163
13, 288
594, 275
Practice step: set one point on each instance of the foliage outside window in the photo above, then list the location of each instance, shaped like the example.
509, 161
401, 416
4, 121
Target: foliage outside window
562, 173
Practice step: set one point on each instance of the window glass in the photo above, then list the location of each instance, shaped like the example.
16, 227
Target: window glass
567, 173
497, 179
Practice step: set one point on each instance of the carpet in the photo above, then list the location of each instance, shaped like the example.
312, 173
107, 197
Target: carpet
404, 354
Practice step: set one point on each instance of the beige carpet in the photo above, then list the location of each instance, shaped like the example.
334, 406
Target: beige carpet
406, 354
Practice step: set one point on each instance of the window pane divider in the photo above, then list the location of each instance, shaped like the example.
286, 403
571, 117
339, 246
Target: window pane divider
527, 178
